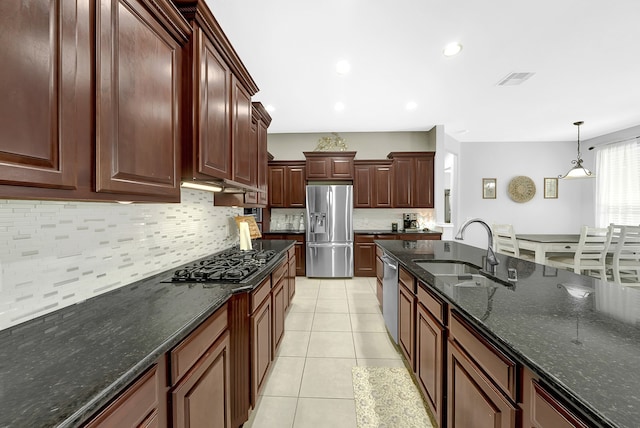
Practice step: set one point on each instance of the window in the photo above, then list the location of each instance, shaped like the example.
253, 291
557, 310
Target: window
618, 184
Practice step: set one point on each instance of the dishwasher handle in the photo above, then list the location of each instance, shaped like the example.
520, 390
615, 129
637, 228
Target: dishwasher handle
388, 261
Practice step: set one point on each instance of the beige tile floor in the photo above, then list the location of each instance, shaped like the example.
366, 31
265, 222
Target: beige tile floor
332, 325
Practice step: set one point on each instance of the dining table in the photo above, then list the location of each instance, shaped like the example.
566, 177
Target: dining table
545, 243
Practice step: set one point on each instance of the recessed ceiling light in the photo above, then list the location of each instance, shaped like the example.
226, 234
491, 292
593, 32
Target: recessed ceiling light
339, 106
270, 108
452, 49
411, 105
343, 67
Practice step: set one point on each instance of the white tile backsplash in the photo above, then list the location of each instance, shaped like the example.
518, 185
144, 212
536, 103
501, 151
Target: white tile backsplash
363, 218
55, 254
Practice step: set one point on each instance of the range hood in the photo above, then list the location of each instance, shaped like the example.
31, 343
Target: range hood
219, 186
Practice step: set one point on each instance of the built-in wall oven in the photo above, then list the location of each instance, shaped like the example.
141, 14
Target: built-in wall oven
390, 295
257, 213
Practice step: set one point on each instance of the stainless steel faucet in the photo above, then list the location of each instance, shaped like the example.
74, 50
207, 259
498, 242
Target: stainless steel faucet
491, 256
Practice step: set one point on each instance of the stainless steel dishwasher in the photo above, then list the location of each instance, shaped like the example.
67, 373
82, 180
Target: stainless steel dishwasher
390, 295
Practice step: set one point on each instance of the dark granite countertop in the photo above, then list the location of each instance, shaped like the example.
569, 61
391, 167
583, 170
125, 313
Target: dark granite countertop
59, 369
586, 349
390, 232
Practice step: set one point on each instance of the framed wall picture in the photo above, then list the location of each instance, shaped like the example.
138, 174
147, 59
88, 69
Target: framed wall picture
551, 188
488, 188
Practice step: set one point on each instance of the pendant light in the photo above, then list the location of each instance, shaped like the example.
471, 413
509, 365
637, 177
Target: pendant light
578, 171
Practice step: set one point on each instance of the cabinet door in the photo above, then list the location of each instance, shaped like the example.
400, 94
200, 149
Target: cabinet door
472, 400
278, 299
292, 278
276, 186
263, 180
341, 168
540, 409
403, 179
365, 256
138, 81
260, 346
296, 189
318, 168
430, 360
38, 78
202, 398
244, 147
406, 324
363, 186
382, 181
138, 405
423, 183
212, 108
300, 258
252, 197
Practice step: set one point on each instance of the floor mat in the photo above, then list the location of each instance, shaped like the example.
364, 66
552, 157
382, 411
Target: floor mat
387, 398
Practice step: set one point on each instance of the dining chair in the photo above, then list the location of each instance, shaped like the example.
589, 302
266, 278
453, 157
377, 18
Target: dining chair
626, 255
591, 253
504, 241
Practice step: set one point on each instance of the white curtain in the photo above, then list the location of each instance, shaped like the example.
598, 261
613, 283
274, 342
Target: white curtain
618, 184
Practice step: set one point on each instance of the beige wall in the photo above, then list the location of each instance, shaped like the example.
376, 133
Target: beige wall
368, 145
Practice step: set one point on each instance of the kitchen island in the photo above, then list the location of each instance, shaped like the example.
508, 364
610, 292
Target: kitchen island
578, 335
61, 368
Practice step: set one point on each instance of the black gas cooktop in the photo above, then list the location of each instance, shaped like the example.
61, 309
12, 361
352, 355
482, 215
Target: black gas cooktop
232, 265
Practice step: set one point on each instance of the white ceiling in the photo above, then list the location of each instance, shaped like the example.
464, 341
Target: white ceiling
585, 55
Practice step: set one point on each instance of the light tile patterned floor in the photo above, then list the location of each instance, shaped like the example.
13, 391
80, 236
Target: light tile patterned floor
332, 326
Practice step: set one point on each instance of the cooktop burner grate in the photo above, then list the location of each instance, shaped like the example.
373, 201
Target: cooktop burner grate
229, 266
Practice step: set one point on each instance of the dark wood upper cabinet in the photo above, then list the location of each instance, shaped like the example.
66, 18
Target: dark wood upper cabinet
40, 91
138, 99
244, 146
206, 151
219, 145
372, 183
263, 121
92, 105
329, 165
287, 184
412, 179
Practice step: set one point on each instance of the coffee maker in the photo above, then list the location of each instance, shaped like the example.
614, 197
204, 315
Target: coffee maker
410, 221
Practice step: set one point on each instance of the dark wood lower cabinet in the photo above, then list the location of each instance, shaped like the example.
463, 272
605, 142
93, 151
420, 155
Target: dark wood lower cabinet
541, 409
278, 301
430, 343
202, 398
141, 405
473, 401
260, 346
364, 253
406, 323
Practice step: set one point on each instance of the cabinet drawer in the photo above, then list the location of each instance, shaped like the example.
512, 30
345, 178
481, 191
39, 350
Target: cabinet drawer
498, 367
279, 272
292, 252
379, 252
185, 355
364, 238
431, 303
407, 279
135, 406
260, 293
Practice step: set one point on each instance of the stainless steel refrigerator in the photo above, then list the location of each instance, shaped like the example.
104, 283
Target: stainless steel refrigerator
329, 231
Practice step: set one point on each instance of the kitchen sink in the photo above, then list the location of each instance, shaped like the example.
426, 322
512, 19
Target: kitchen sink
447, 268
459, 274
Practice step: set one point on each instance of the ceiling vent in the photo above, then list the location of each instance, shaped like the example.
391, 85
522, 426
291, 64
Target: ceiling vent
513, 79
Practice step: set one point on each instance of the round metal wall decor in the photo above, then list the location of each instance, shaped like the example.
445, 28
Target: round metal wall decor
521, 189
